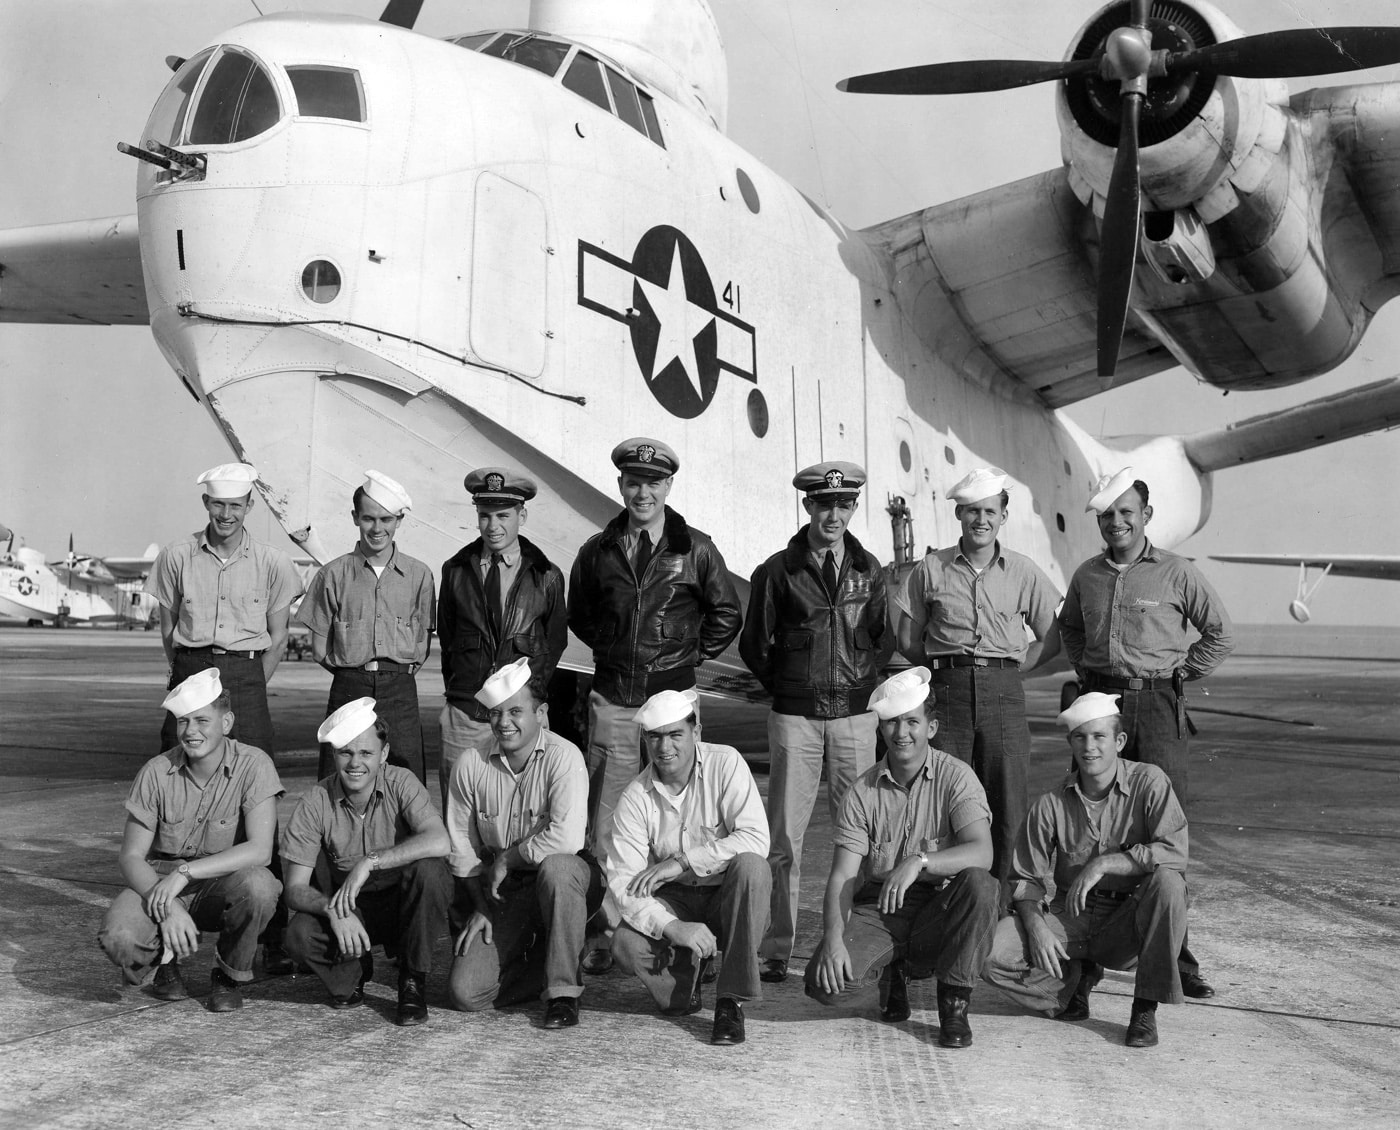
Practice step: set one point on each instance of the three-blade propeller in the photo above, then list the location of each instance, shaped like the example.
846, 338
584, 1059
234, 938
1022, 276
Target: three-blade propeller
1127, 56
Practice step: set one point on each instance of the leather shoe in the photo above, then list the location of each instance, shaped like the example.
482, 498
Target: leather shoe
953, 1029
561, 1012
1194, 985
358, 995
168, 984
1142, 1028
1078, 1007
896, 985
729, 1022
413, 1004
225, 994
597, 961
773, 971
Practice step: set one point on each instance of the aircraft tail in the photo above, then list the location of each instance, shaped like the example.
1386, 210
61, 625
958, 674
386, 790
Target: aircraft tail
1370, 408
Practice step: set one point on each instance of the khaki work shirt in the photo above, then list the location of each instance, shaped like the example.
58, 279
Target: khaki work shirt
364, 616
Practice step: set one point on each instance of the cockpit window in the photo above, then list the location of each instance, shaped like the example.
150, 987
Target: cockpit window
328, 92
584, 77
625, 98
238, 102
529, 50
473, 42
167, 120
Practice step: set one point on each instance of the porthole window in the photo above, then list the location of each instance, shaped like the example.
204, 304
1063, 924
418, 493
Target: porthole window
906, 457
747, 190
948, 455
320, 281
758, 414
1060, 522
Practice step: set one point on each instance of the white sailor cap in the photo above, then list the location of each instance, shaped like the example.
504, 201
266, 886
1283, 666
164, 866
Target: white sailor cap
388, 493
200, 689
900, 693
1108, 488
346, 724
1087, 707
665, 707
983, 482
228, 480
500, 685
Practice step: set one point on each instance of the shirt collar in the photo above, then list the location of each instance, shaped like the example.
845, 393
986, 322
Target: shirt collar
498, 752
1149, 553
245, 539
697, 775
997, 557
925, 770
392, 563
508, 556
1120, 779
340, 796
180, 761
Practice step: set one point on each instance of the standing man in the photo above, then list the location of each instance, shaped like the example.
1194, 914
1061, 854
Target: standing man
687, 867
224, 602
816, 638
1128, 623
200, 822
516, 812
386, 846
963, 612
909, 880
653, 599
1115, 840
370, 612
502, 600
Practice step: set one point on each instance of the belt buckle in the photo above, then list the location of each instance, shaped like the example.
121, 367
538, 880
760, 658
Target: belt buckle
372, 665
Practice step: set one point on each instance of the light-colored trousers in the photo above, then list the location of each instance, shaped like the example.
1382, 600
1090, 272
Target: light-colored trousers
797, 749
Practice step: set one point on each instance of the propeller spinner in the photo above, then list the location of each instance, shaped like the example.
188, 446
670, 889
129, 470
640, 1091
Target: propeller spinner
1127, 56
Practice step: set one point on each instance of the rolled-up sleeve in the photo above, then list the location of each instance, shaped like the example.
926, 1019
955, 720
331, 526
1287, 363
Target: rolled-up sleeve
627, 854
1030, 860
567, 790
742, 812
909, 613
465, 856
302, 835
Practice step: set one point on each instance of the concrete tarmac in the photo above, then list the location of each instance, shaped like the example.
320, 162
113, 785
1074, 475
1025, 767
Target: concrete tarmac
1295, 831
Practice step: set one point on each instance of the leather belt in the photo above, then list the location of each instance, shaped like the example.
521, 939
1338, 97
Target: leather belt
1112, 896
940, 662
387, 665
1114, 682
211, 650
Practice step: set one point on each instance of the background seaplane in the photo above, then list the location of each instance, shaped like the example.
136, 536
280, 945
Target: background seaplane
1377, 567
80, 590
355, 243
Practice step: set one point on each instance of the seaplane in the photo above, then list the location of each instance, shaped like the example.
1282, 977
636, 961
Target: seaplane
520, 245
81, 590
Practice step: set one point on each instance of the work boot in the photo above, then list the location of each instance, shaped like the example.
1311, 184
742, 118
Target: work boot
895, 989
1078, 1007
953, 1029
225, 994
1142, 1024
168, 985
413, 1004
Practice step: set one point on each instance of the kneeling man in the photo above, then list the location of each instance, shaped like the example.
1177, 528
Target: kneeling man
1114, 838
516, 812
199, 830
910, 879
687, 862
385, 844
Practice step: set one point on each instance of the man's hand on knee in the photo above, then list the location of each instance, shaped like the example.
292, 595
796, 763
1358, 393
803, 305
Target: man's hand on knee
693, 935
833, 966
178, 931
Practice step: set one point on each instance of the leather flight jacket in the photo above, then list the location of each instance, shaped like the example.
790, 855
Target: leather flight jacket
817, 657
650, 634
533, 624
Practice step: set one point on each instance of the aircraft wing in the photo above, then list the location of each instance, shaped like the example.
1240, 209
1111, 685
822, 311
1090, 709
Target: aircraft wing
86, 273
1343, 564
127, 568
1013, 265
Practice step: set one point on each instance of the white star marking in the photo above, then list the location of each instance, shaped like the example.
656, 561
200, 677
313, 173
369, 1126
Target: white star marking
680, 320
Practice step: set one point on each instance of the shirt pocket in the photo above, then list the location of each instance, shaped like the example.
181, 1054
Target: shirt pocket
251, 606
884, 854
220, 834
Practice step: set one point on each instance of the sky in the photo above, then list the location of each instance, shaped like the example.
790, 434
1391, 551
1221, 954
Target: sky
98, 437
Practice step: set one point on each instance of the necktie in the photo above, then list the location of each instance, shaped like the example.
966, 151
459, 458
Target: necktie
642, 555
829, 574
493, 594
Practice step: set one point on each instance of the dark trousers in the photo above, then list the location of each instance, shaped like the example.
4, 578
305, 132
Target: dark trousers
537, 937
1157, 735
1148, 927
736, 912
395, 695
247, 689
981, 714
238, 906
947, 928
408, 914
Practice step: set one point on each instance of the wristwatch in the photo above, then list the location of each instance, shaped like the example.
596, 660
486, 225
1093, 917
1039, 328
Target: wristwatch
373, 858
184, 869
923, 861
